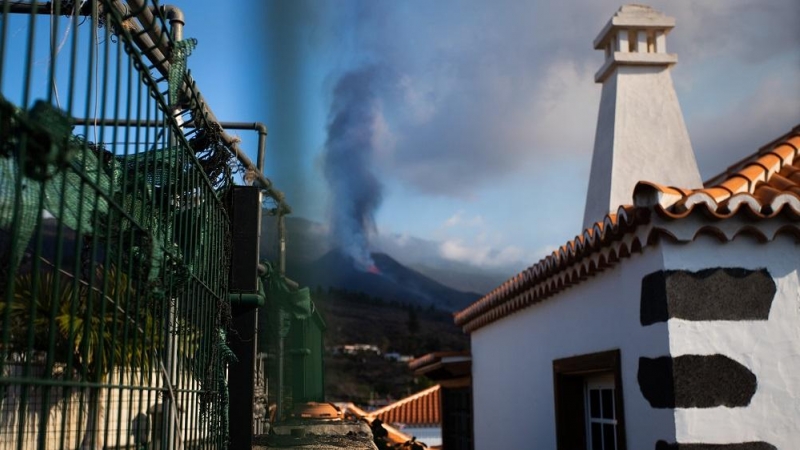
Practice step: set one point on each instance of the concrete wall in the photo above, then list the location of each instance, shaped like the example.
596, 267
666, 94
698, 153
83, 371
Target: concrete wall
770, 349
512, 362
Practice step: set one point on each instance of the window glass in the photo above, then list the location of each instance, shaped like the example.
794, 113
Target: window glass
601, 421
608, 403
597, 436
594, 403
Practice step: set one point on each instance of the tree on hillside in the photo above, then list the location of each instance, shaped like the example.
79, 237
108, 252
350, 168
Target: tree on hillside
413, 321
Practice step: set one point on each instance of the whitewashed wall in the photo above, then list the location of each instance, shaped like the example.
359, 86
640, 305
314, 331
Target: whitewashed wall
66, 420
122, 408
770, 349
512, 359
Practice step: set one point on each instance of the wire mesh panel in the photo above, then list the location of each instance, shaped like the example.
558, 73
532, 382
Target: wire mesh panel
113, 234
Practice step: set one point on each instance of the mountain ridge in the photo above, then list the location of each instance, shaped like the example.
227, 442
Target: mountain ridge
307, 241
392, 281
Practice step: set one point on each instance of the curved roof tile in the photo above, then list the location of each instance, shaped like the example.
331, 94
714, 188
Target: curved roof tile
422, 408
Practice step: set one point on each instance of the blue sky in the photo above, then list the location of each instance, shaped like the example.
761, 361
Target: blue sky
486, 110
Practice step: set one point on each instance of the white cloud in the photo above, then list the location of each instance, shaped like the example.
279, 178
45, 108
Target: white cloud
418, 100
771, 110
564, 115
459, 219
400, 239
474, 107
479, 254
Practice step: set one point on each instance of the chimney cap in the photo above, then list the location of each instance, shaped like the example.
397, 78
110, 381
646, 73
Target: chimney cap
634, 16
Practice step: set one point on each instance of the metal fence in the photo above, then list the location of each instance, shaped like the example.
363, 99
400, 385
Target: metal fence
114, 235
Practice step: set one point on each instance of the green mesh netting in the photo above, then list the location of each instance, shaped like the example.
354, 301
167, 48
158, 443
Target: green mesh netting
27, 210
227, 356
68, 196
65, 196
210, 368
44, 134
143, 181
136, 197
180, 51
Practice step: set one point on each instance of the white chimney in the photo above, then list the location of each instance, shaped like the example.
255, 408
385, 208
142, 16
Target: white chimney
640, 130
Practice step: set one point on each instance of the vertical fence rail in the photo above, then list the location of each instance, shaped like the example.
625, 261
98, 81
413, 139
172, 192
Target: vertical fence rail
114, 234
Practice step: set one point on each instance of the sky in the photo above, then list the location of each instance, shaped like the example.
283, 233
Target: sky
481, 115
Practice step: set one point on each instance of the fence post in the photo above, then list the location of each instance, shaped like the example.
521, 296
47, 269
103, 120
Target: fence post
241, 376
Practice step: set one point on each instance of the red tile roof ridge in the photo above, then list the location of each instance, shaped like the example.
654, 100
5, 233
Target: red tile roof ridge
601, 234
421, 409
428, 358
766, 186
403, 401
745, 188
767, 148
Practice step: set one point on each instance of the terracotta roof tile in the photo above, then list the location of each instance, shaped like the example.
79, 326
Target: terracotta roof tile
422, 408
549, 276
763, 186
433, 357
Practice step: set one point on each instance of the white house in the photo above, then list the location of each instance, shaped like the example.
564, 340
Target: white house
673, 320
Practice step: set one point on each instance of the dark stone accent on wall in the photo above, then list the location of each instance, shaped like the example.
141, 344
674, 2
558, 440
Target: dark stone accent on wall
656, 381
695, 381
662, 445
710, 294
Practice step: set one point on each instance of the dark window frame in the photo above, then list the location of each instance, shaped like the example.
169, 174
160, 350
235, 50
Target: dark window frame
568, 380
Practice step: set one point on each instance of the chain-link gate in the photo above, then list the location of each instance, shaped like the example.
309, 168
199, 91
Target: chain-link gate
114, 234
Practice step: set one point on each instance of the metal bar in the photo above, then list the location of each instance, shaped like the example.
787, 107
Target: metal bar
146, 18
143, 38
47, 8
262, 137
240, 155
259, 127
44, 382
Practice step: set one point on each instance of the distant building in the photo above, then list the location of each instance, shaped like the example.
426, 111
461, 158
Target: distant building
356, 349
439, 416
452, 371
671, 321
395, 356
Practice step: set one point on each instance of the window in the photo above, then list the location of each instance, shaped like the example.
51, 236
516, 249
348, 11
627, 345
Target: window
588, 402
601, 423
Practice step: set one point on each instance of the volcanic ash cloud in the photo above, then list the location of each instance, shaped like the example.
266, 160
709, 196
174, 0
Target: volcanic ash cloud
353, 126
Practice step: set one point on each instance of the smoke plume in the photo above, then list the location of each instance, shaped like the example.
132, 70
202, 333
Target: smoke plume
348, 158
